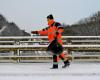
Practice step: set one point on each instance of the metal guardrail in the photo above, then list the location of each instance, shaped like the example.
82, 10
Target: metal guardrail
45, 37
18, 46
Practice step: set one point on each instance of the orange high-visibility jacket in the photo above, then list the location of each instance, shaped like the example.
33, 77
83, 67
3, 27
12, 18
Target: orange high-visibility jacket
51, 31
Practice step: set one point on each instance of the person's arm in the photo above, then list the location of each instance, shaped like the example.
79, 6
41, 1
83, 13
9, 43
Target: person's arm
60, 28
42, 32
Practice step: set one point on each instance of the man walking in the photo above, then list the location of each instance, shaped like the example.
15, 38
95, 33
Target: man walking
53, 30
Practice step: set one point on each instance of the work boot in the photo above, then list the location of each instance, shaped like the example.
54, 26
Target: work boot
55, 66
66, 64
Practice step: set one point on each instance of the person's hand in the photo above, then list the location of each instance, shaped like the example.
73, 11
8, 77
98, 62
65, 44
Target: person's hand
57, 33
34, 32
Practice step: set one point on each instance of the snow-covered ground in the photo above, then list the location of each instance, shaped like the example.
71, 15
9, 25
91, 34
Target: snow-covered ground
42, 71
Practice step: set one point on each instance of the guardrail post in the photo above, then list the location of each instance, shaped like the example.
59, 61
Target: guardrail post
17, 51
18, 54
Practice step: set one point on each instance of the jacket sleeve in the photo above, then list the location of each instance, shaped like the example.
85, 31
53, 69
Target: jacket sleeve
60, 30
43, 32
60, 27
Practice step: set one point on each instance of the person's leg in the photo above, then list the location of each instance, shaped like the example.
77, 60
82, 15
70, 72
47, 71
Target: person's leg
58, 58
55, 63
65, 60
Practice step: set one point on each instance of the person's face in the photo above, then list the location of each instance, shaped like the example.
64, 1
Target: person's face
48, 19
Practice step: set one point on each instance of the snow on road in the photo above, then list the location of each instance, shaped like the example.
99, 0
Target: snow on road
42, 71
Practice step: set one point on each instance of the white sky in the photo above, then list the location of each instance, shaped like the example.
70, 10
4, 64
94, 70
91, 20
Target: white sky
31, 14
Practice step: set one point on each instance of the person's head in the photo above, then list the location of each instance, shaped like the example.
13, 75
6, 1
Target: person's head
50, 17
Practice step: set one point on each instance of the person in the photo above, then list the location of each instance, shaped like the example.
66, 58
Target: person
53, 30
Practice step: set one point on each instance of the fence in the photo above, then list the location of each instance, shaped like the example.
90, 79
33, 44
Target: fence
33, 48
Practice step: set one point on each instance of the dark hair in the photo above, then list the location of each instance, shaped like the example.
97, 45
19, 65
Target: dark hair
50, 16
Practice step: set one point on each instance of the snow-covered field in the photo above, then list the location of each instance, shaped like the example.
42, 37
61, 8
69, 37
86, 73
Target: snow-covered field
42, 71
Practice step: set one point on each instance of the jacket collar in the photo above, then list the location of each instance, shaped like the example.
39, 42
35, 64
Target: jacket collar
51, 22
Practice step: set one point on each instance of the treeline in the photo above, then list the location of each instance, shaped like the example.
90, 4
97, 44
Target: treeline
86, 27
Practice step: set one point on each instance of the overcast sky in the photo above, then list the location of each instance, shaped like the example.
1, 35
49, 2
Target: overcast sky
31, 14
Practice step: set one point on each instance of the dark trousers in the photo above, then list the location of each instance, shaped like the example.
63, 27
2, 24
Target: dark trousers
55, 62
